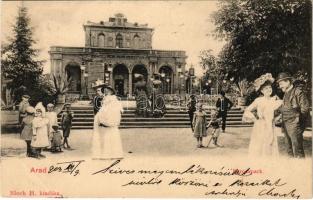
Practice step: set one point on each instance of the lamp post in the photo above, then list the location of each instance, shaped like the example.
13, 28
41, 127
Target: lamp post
162, 76
107, 72
86, 82
181, 76
209, 84
167, 85
211, 91
179, 70
186, 84
110, 68
83, 69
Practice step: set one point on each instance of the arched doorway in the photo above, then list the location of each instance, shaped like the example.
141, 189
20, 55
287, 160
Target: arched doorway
137, 71
120, 80
167, 79
73, 72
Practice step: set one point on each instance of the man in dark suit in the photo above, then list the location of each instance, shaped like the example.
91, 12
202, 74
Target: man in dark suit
223, 104
294, 112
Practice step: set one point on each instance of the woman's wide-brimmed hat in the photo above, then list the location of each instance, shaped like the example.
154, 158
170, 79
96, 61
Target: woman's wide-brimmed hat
283, 76
98, 84
262, 79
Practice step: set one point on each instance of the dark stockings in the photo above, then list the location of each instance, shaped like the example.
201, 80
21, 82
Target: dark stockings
28, 147
66, 142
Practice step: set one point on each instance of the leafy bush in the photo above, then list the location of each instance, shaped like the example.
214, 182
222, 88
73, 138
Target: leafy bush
243, 88
60, 84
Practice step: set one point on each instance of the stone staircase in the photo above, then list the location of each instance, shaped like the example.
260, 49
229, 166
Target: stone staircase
174, 118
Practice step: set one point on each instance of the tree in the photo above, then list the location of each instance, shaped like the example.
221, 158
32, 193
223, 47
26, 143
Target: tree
18, 57
213, 70
265, 36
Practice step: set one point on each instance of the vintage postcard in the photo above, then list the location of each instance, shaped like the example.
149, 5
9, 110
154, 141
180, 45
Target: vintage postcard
156, 99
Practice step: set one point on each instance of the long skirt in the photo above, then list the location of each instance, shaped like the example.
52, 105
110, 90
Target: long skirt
107, 143
263, 141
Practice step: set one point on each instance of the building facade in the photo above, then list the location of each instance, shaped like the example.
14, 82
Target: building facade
117, 51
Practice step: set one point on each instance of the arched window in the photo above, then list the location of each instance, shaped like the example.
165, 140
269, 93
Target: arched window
119, 41
136, 41
101, 39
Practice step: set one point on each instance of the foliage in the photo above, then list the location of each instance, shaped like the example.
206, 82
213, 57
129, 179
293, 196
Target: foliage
42, 92
60, 84
7, 104
209, 63
20, 66
264, 36
242, 88
18, 63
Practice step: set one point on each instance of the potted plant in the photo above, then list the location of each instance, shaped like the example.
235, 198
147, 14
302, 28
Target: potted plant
60, 85
242, 88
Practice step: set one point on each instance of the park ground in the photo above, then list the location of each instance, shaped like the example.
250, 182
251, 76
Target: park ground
153, 142
152, 149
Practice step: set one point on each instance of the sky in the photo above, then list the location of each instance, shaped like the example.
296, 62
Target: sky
178, 25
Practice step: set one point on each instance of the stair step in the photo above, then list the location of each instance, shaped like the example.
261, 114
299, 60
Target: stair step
153, 122
174, 118
151, 118
90, 113
157, 126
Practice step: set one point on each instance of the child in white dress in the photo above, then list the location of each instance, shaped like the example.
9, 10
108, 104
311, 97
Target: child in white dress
40, 130
53, 119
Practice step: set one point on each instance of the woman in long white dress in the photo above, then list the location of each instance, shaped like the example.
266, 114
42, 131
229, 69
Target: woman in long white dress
106, 136
263, 140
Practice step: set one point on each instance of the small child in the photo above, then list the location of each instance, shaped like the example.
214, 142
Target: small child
40, 124
56, 142
66, 122
199, 125
215, 124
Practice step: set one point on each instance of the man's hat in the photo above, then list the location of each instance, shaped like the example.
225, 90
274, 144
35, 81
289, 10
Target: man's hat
26, 96
283, 76
55, 126
110, 88
97, 84
67, 104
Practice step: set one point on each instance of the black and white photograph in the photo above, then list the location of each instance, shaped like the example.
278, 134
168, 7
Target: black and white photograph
156, 99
